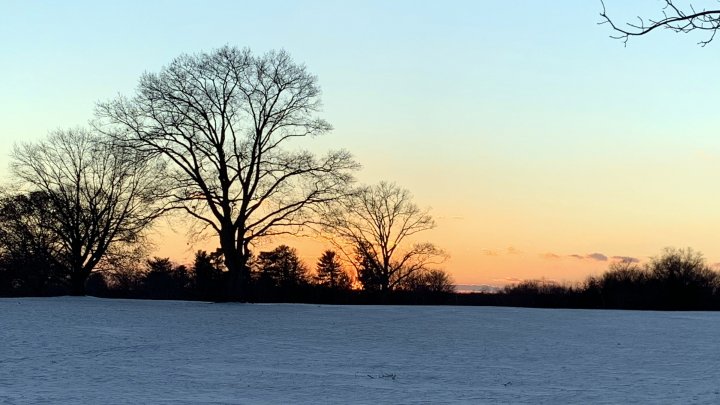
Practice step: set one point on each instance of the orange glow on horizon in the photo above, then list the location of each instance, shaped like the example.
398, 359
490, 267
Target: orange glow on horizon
466, 264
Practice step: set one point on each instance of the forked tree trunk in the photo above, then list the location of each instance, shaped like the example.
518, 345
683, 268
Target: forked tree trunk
238, 283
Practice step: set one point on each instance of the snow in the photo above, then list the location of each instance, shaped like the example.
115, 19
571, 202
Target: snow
89, 350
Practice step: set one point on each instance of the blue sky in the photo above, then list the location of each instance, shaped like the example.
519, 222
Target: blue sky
522, 124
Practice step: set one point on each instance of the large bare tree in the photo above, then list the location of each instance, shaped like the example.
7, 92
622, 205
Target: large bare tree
94, 197
681, 19
373, 228
232, 127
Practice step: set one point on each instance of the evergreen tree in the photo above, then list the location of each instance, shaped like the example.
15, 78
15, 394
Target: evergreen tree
208, 274
281, 267
330, 272
165, 280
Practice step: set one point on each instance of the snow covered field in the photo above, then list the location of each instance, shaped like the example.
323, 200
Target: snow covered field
89, 350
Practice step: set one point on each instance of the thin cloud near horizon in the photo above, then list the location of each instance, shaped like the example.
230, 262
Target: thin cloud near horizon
510, 250
596, 256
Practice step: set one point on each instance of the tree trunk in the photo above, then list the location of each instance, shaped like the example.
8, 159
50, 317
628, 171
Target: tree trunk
77, 284
237, 286
384, 281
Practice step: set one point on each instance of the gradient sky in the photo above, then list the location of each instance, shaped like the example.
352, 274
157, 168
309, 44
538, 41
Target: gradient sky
543, 147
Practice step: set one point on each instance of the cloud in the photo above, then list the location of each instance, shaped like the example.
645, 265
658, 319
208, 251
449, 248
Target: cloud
513, 251
489, 252
508, 280
500, 252
625, 259
597, 256
474, 288
591, 256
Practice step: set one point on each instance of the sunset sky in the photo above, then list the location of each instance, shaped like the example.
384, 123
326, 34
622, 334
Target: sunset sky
543, 147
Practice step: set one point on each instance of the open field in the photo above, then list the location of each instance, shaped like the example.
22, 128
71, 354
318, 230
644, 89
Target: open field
88, 350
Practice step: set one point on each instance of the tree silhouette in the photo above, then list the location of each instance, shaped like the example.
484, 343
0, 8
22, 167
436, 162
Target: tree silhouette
281, 268
231, 126
28, 249
126, 279
373, 226
330, 272
433, 281
672, 17
125, 269
624, 285
165, 280
369, 270
682, 278
95, 196
208, 274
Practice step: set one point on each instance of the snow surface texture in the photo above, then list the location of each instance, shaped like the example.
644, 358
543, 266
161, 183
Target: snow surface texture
88, 350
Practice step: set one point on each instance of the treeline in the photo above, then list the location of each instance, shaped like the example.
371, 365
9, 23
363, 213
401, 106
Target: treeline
276, 276
679, 279
676, 280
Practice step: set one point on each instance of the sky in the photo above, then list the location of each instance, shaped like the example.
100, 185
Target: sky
544, 148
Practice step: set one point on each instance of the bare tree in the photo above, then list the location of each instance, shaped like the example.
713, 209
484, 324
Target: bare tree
432, 281
94, 196
232, 126
373, 227
672, 17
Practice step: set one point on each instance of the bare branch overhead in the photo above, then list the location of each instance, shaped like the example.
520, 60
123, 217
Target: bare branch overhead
673, 18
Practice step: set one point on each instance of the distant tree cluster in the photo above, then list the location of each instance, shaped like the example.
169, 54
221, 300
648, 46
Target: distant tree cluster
277, 275
221, 138
679, 279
